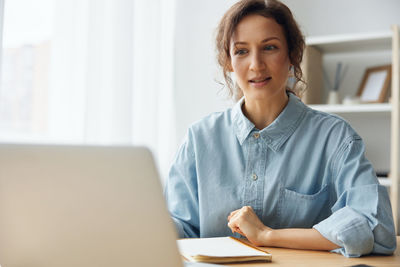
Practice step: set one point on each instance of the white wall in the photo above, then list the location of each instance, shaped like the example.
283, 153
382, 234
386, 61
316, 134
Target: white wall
196, 91
321, 17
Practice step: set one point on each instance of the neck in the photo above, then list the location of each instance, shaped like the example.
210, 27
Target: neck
262, 112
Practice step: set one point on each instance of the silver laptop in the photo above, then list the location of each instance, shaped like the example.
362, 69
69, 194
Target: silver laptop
82, 206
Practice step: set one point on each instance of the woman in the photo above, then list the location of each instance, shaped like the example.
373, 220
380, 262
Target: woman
271, 169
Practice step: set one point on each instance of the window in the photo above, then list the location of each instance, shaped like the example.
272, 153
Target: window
27, 36
89, 72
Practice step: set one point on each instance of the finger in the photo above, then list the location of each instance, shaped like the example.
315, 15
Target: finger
237, 230
247, 209
240, 232
232, 227
238, 214
242, 210
233, 223
232, 214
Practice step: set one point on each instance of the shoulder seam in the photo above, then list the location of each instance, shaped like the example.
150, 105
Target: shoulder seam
337, 155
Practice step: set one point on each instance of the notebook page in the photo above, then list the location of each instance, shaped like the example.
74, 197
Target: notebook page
216, 247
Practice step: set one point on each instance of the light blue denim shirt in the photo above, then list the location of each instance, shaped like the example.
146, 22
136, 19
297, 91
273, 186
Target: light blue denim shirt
306, 169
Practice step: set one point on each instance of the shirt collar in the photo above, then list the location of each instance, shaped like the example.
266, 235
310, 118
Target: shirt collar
278, 131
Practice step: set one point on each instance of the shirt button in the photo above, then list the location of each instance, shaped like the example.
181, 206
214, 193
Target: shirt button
256, 135
254, 176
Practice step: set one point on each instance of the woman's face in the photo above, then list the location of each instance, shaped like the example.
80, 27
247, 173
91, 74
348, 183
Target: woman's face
259, 57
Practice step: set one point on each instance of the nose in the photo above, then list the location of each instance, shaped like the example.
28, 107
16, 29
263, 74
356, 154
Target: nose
257, 62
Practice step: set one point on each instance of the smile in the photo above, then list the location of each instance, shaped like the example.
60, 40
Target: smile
259, 82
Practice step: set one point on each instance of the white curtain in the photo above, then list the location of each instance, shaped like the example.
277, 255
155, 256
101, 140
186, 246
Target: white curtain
111, 75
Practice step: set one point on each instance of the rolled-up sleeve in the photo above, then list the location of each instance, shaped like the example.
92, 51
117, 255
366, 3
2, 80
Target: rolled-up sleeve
361, 221
181, 191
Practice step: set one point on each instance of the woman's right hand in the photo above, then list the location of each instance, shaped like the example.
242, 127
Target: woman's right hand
246, 222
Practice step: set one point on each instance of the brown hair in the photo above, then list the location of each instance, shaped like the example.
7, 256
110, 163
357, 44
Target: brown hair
269, 9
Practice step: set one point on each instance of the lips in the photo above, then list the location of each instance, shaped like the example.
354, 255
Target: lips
260, 80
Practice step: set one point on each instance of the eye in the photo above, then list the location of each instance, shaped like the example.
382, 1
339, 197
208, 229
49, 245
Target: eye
270, 47
240, 52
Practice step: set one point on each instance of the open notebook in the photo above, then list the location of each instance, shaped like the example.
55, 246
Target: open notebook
220, 250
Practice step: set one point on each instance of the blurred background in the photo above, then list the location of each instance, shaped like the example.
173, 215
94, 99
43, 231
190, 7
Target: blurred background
134, 71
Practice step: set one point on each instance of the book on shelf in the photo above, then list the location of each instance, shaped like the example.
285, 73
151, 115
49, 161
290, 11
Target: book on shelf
220, 250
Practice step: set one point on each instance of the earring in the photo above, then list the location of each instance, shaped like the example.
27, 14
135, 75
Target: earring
291, 71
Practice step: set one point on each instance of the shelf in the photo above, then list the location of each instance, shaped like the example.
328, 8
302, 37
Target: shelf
385, 181
365, 108
352, 42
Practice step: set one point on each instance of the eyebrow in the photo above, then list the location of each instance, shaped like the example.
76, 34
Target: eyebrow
263, 41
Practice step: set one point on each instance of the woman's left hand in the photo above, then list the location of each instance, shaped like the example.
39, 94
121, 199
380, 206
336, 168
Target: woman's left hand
245, 222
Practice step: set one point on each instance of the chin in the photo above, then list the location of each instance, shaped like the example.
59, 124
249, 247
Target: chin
262, 94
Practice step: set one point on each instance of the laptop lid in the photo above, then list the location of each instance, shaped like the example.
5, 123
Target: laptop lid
82, 206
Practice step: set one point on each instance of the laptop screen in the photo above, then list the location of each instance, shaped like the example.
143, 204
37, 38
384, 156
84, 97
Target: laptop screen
83, 206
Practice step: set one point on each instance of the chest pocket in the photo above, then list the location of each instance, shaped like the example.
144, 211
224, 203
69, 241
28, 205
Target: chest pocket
301, 210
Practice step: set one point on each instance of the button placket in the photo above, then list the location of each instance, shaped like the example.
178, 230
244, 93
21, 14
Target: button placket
254, 185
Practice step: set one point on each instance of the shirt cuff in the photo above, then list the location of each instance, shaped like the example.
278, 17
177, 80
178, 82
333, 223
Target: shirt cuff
349, 230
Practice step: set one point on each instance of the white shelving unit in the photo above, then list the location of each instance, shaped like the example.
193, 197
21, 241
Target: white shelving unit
354, 43
385, 182
370, 108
